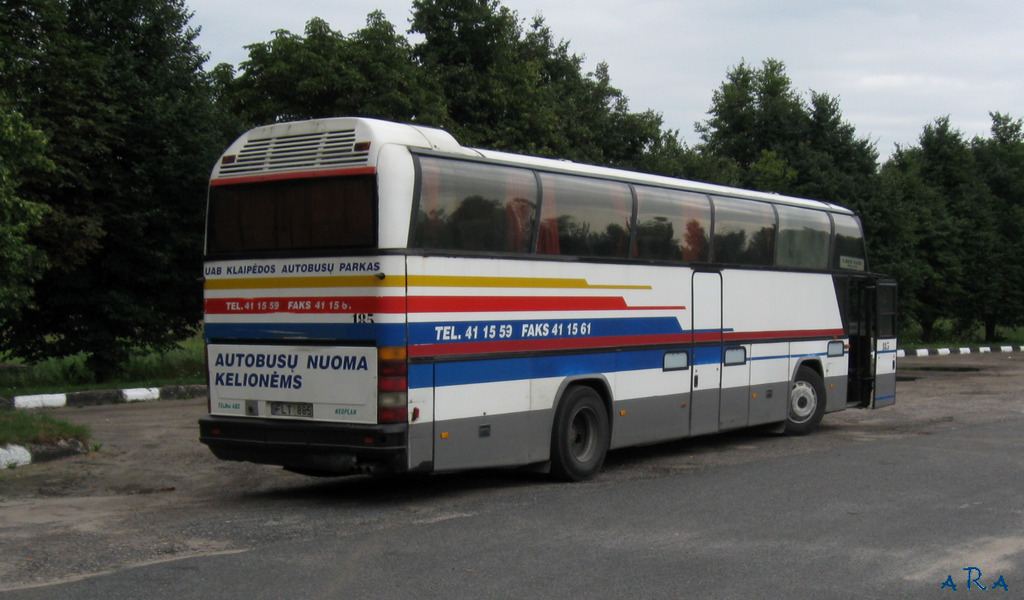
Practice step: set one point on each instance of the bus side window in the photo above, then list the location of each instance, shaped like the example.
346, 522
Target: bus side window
474, 207
849, 253
593, 217
744, 232
672, 225
804, 237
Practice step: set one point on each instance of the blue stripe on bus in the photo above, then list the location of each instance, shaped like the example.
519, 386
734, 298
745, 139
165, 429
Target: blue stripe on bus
537, 367
381, 334
706, 355
530, 329
515, 369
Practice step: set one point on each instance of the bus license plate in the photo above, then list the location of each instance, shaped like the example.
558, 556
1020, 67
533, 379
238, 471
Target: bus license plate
291, 409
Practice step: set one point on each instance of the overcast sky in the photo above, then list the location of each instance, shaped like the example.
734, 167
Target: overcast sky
894, 65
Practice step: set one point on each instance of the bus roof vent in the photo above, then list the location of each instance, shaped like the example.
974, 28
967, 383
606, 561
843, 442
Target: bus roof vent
321, 150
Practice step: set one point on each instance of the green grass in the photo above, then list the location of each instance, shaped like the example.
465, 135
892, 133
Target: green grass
179, 366
24, 427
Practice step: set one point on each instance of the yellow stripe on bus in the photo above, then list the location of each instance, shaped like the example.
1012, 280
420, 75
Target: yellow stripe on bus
245, 283
513, 282
266, 283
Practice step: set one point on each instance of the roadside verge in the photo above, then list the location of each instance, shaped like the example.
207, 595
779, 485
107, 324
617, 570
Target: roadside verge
16, 455
962, 350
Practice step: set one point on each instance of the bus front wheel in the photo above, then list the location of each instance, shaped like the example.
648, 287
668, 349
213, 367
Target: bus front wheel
580, 435
806, 402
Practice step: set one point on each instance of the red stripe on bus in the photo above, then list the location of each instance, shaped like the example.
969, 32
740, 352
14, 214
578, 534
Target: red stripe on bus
309, 305
578, 343
613, 342
229, 180
416, 304
470, 304
450, 304
734, 336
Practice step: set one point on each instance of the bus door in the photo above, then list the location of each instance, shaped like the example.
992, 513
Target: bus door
706, 311
884, 321
871, 324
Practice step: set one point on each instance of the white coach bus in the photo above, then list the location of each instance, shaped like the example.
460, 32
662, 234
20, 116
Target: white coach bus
379, 298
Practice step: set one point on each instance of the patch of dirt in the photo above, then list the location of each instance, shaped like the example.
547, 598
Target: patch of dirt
123, 503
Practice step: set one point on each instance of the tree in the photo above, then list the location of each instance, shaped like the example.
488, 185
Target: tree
118, 88
1000, 160
370, 73
909, 230
512, 87
21, 263
755, 111
470, 50
948, 165
782, 143
943, 233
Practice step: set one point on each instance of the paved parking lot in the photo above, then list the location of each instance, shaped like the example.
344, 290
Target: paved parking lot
876, 503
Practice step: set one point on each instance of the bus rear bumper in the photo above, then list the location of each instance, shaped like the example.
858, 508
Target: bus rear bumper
313, 448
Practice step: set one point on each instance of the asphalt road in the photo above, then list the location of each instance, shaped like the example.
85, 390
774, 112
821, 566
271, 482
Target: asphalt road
894, 503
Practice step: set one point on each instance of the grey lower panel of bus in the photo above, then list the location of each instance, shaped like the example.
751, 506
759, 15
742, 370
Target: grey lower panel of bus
717, 410
421, 451
525, 438
492, 440
885, 390
836, 391
649, 420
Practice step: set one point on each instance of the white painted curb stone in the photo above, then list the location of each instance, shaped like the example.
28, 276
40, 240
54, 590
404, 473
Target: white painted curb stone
141, 394
12, 455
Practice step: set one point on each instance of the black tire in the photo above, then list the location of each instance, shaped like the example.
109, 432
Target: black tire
580, 435
806, 402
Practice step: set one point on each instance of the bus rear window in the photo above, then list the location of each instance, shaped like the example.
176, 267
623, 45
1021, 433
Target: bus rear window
297, 214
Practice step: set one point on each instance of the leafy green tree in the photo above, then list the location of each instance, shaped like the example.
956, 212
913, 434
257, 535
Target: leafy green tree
948, 165
668, 156
755, 111
892, 216
53, 79
911, 231
470, 48
944, 231
1000, 159
21, 263
832, 162
514, 88
118, 88
325, 73
771, 172
782, 143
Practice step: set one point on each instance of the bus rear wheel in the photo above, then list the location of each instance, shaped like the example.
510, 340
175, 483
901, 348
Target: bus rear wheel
580, 435
806, 402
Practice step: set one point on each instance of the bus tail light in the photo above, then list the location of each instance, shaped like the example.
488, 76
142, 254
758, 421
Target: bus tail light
392, 384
